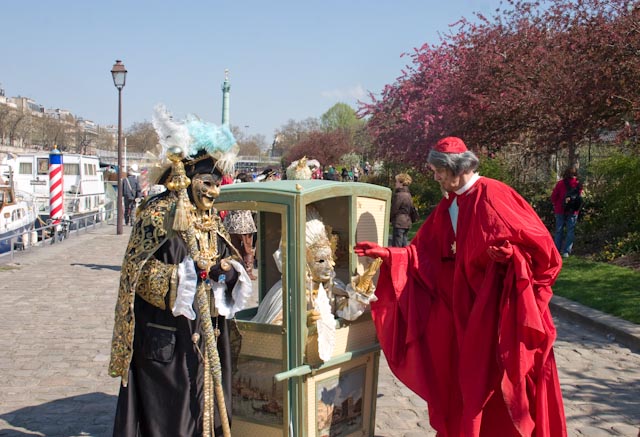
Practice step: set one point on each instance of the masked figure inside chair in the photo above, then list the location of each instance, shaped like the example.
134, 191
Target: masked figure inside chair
181, 284
326, 295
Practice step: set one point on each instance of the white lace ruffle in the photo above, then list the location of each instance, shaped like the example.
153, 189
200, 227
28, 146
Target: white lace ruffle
186, 292
326, 325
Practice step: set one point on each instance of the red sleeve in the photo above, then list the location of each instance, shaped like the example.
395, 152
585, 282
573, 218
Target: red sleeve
412, 323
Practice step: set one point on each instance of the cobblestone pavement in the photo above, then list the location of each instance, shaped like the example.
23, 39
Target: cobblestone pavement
56, 316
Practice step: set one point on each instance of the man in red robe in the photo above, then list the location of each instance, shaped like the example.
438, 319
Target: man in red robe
462, 313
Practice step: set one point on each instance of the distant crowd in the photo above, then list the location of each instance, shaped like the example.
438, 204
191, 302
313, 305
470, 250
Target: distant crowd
330, 173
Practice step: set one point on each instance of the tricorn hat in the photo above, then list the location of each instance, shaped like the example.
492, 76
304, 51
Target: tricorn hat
266, 173
204, 147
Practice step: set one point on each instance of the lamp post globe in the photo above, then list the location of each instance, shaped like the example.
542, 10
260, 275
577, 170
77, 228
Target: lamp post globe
119, 74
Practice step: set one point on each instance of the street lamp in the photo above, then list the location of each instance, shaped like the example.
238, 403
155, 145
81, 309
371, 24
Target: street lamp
119, 74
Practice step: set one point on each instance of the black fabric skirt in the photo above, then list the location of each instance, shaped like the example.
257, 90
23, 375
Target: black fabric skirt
164, 396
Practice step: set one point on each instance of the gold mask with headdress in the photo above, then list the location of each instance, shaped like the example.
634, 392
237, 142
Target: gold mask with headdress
198, 152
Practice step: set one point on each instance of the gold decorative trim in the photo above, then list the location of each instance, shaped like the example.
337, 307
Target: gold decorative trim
173, 288
148, 234
158, 277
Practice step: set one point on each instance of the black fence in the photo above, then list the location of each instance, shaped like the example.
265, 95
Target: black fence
50, 233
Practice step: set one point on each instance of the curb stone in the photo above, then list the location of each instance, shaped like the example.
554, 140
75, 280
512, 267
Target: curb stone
614, 328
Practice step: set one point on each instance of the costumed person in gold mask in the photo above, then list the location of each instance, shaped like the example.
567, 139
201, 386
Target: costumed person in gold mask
181, 284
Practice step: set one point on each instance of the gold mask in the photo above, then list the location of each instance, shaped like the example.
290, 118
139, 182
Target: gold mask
205, 188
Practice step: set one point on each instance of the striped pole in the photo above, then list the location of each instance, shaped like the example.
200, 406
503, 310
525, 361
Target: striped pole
56, 197
144, 182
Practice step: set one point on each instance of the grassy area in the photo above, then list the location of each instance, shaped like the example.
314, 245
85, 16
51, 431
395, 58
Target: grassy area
605, 287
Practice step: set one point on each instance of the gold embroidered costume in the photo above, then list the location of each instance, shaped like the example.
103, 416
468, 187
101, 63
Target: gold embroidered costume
151, 230
180, 284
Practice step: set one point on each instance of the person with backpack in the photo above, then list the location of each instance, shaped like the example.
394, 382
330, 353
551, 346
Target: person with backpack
567, 201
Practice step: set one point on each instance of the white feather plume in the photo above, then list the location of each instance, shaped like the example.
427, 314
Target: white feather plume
326, 325
313, 163
227, 161
170, 132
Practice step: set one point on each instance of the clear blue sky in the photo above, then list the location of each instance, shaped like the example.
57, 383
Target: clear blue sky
287, 59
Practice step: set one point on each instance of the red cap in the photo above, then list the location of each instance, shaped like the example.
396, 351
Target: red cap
450, 145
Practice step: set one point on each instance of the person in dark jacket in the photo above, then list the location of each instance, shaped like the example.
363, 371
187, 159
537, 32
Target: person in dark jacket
345, 174
130, 193
401, 204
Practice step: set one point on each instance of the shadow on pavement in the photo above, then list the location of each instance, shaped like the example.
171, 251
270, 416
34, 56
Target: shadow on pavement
597, 393
98, 266
84, 415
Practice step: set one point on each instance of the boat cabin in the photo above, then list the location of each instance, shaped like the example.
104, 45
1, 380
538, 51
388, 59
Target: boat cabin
83, 184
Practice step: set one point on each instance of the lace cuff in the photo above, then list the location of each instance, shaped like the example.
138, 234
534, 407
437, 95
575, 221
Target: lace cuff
240, 294
187, 283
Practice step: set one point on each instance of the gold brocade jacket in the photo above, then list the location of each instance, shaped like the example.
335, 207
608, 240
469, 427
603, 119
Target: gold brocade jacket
149, 278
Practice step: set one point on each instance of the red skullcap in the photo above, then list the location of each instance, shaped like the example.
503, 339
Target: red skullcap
450, 145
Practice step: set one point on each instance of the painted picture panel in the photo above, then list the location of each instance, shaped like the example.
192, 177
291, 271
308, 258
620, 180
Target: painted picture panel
339, 403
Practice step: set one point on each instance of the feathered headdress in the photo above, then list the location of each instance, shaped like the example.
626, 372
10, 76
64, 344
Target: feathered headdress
194, 138
301, 169
317, 234
193, 146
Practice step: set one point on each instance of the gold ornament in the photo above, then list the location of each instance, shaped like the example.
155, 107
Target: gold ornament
178, 181
365, 282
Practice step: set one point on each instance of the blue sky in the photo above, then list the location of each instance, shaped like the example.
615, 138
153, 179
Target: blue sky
287, 59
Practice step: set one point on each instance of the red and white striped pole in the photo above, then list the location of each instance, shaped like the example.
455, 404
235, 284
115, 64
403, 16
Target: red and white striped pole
56, 193
144, 182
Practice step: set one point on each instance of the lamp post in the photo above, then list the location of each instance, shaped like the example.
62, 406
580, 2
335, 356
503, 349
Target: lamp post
119, 74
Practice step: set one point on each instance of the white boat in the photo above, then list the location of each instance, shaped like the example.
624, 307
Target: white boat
83, 184
17, 213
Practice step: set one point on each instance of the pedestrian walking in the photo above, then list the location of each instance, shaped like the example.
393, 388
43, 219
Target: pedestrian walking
131, 193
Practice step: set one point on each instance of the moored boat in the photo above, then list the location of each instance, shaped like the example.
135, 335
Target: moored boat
17, 213
83, 185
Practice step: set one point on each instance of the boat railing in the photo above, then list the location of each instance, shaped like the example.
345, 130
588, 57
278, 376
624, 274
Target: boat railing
51, 233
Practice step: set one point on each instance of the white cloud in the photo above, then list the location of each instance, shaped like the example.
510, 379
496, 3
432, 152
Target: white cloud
356, 92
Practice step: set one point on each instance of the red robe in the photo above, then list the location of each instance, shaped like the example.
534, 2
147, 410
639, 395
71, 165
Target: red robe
472, 336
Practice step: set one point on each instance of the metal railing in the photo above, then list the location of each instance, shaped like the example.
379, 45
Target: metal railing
49, 233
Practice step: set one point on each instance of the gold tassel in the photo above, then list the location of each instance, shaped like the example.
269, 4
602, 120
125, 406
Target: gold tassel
211, 354
181, 217
179, 182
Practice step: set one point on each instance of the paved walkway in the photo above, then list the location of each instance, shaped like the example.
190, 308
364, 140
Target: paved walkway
56, 316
